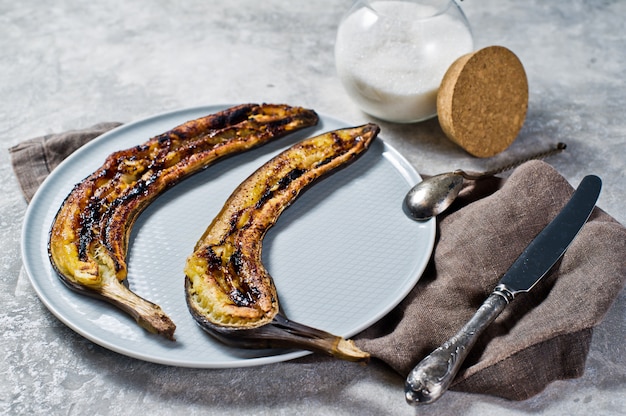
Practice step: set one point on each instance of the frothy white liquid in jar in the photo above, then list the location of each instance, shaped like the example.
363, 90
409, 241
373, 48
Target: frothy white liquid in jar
391, 59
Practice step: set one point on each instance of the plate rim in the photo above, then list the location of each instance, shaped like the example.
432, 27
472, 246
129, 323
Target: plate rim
408, 173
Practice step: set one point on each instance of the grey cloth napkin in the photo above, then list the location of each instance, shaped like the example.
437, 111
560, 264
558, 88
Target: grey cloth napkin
541, 337
34, 159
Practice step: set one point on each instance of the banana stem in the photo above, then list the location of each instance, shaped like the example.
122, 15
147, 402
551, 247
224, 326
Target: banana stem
285, 333
147, 314
319, 341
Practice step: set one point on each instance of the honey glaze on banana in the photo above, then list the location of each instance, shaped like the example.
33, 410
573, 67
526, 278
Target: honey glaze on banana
89, 236
227, 286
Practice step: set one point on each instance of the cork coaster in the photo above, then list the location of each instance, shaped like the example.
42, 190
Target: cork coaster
482, 101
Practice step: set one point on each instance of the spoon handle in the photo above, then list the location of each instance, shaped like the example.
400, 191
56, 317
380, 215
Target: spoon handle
558, 148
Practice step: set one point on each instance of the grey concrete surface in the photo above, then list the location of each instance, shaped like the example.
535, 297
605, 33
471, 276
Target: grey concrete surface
70, 64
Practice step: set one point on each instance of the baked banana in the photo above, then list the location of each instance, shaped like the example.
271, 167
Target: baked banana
228, 290
89, 236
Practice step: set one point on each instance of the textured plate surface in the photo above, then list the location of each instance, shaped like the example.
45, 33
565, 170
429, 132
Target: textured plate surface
342, 255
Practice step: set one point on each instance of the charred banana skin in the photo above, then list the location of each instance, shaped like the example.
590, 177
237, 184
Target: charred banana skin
228, 290
89, 236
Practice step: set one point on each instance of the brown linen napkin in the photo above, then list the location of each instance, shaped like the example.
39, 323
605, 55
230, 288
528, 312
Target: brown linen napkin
34, 159
542, 336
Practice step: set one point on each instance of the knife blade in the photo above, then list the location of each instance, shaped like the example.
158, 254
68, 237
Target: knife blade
434, 374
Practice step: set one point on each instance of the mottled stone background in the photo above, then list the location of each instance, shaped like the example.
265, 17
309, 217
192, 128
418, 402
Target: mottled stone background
69, 64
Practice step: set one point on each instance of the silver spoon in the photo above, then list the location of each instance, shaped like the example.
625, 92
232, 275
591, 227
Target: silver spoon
434, 195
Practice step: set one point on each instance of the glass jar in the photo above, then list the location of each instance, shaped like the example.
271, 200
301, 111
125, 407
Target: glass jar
391, 55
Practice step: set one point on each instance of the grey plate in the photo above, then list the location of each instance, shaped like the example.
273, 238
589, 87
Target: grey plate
342, 256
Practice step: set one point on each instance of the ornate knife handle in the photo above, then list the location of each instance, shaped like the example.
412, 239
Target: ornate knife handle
434, 374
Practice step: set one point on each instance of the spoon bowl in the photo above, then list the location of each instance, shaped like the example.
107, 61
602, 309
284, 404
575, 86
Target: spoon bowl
434, 195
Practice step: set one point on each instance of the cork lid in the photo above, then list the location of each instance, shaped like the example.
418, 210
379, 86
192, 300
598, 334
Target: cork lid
482, 101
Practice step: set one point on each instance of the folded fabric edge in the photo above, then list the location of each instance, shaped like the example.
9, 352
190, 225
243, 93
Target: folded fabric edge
33, 159
566, 356
29, 166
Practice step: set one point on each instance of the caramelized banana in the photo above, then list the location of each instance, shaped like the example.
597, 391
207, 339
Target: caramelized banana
89, 235
229, 292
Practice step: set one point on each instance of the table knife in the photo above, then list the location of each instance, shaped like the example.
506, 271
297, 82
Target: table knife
434, 374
